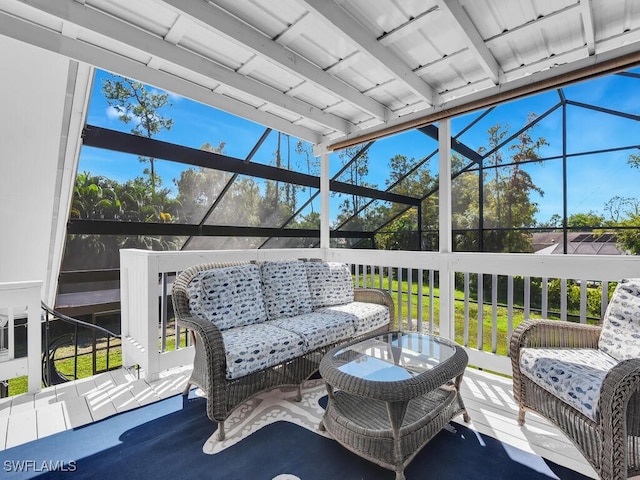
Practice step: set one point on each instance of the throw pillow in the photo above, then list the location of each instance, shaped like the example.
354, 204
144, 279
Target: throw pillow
620, 336
330, 283
229, 297
285, 289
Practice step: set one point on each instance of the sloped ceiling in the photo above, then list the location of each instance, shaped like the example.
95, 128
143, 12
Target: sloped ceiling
333, 71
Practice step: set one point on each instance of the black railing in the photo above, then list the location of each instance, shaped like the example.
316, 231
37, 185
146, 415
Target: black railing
81, 332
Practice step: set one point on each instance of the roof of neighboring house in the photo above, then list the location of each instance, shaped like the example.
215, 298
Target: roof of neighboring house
577, 243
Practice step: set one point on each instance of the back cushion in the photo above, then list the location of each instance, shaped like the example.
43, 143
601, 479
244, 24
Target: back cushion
229, 297
330, 283
285, 289
620, 335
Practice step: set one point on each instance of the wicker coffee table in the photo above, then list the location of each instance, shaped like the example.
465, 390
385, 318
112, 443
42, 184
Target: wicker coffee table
390, 394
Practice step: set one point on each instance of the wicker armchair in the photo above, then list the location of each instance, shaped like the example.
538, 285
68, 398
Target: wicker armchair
586, 380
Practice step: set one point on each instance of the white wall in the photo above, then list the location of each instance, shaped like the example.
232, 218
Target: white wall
38, 147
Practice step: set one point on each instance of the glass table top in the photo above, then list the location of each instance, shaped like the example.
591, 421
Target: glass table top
392, 356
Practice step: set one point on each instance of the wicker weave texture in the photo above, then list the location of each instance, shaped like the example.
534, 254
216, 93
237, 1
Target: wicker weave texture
388, 422
209, 368
610, 444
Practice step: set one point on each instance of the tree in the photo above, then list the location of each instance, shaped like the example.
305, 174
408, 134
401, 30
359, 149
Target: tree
138, 200
199, 188
95, 197
521, 211
312, 163
412, 178
634, 161
135, 103
625, 211
355, 174
629, 239
465, 208
555, 221
589, 219
620, 207
508, 204
496, 135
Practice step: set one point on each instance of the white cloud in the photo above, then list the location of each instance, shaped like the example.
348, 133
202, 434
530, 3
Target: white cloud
112, 113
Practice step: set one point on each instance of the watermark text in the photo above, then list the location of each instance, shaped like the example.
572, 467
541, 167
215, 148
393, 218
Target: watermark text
39, 466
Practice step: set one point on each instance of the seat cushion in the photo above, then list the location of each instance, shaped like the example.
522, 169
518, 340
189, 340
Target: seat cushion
319, 329
366, 316
229, 297
330, 283
252, 348
575, 376
285, 289
620, 336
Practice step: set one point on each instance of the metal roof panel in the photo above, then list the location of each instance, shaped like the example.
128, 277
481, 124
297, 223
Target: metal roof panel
345, 62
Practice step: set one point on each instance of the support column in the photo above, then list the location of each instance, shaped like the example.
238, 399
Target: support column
447, 279
324, 202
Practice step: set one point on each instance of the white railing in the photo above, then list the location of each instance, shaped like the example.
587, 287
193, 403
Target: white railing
444, 291
144, 287
19, 300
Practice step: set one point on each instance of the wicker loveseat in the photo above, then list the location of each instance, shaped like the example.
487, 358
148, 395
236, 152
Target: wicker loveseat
586, 380
260, 325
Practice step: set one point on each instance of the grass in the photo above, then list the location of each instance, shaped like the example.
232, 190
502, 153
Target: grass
461, 330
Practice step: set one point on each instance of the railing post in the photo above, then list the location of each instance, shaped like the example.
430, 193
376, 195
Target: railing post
325, 191
21, 294
139, 292
447, 275
34, 340
164, 313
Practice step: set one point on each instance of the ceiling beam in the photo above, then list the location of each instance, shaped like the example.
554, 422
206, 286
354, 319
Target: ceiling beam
567, 13
606, 62
473, 39
119, 31
43, 37
352, 30
409, 27
588, 26
239, 33
165, 51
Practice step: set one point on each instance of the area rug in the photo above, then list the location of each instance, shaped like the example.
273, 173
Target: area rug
272, 438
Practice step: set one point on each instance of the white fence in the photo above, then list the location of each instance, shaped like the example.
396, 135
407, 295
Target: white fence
19, 300
444, 287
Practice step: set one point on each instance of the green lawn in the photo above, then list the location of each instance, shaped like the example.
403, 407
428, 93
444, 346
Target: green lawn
502, 321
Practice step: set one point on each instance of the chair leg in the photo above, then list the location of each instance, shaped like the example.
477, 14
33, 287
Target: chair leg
221, 434
521, 416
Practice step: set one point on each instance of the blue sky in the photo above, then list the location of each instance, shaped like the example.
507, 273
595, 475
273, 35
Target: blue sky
592, 180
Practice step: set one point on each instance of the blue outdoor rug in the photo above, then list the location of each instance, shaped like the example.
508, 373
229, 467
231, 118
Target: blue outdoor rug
171, 439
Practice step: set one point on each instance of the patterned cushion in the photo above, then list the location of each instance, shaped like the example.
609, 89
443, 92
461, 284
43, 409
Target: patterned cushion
285, 289
229, 297
366, 316
573, 375
330, 283
252, 348
620, 336
319, 329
